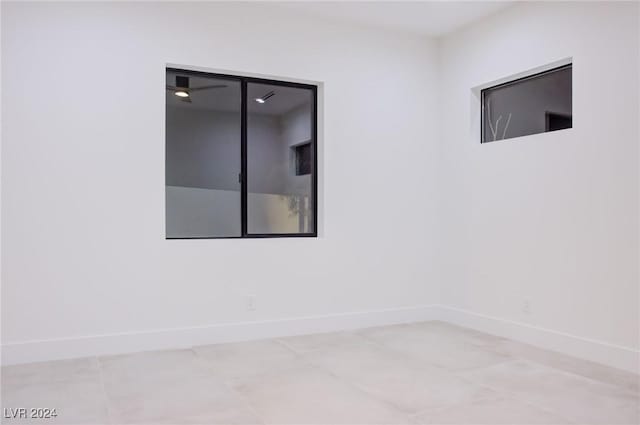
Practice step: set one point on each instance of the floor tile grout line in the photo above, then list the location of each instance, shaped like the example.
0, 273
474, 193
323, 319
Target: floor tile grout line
511, 395
501, 396
205, 364
247, 403
358, 388
417, 359
287, 346
585, 363
104, 390
580, 376
303, 361
297, 357
457, 405
391, 351
515, 359
363, 340
227, 385
315, 350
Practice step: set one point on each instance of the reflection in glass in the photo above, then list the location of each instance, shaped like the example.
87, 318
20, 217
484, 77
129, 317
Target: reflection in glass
203, 139
280, 158
531, 105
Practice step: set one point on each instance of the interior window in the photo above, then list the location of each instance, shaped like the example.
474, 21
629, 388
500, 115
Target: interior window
228, 157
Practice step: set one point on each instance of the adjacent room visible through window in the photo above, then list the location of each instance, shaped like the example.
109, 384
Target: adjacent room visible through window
228, 157
535, 104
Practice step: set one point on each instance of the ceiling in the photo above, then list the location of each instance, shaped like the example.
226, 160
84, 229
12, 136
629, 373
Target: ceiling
428, 18
284, 99
228, 98
224, 99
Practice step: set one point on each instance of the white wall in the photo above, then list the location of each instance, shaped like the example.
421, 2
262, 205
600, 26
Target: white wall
202, 168
548, 221
203, 164
198, 212
83, 197
296, 129
267, 155
203, 148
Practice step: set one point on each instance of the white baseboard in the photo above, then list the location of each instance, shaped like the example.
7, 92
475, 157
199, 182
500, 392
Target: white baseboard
616, 356
120, 343
55, 349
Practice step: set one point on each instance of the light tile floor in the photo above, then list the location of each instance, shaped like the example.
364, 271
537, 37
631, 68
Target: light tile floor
421, 373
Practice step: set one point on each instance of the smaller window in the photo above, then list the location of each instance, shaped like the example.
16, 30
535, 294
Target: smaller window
303, 159
535, 104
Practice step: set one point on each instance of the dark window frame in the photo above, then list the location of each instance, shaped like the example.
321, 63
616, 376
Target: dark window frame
244, 81
508, 83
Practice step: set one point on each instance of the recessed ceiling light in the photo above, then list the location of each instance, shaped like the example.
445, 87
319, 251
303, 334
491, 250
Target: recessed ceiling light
181, 93
264, 98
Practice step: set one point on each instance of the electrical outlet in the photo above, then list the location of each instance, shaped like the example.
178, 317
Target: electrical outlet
526, 307
250, 302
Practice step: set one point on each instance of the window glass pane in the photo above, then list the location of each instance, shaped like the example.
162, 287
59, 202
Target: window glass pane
203, 139
279, 174
531, 105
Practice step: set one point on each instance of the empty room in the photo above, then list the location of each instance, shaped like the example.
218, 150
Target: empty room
316, 212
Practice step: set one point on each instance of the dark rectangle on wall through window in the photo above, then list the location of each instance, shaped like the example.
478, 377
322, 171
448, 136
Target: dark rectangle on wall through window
241, 157
303, 159
533, 104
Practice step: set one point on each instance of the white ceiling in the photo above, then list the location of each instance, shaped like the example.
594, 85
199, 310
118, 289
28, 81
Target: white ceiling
228, 98
430, 18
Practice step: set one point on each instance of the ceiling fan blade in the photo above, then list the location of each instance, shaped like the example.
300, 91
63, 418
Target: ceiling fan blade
172, 88
186, 99
217, 86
